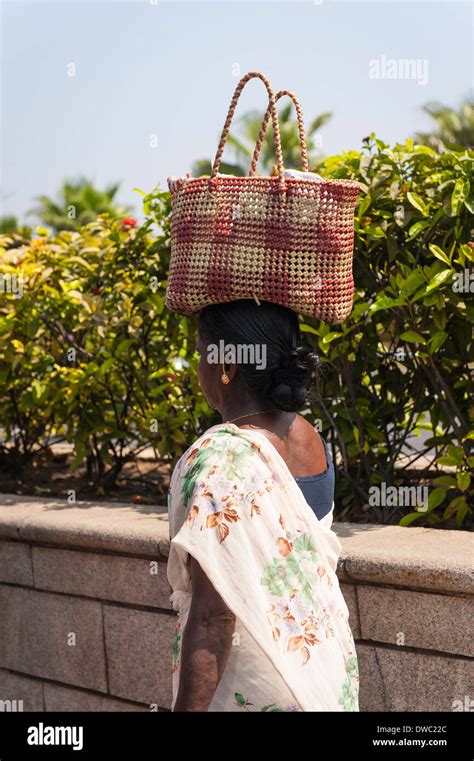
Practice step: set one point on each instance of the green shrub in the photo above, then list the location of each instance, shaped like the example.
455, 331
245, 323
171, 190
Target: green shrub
400, 363
91, 353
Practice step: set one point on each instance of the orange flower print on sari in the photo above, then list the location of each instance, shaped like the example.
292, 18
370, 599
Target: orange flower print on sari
295, 624
297, 621
218, 480
192, 515
216, 520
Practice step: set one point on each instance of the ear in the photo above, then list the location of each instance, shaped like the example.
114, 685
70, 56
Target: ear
231, 370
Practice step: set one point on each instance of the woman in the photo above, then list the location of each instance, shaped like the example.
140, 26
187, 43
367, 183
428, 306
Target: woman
262, 622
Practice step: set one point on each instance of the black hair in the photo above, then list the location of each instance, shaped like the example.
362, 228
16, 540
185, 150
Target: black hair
290, 365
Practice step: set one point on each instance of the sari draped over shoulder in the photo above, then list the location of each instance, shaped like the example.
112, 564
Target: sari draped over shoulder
235, 507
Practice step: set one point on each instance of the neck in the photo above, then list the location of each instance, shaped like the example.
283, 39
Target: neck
259, 416
235, 408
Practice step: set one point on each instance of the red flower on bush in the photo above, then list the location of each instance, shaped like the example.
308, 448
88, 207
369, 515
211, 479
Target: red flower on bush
129, 222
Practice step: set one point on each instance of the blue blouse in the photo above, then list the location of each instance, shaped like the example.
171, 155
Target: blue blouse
318, 490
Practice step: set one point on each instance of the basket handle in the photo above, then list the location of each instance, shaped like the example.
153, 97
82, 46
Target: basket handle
271, 112
301, 131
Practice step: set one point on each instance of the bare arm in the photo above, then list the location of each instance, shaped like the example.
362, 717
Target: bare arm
206, 644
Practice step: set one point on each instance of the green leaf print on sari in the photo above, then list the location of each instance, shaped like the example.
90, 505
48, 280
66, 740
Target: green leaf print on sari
297, 569
350, 686
221, 478
297, 619
242, 702
176, 647
225, 450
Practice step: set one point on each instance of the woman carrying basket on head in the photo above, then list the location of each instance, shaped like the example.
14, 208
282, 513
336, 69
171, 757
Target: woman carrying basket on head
262, 622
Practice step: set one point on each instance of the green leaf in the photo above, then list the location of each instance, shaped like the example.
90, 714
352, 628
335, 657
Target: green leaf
364, 205
76, 295
424, 149
39, 389
417, 228
436, 497
18, 345
436, 342
469, 203
308, 329
464, 480
412, 283
447, 481
460, 193
418, 203
456, 452
123, 346
239, 699
330, 337
105, 366
411, 337
439, 253
458, 503
410, 518
461, 512
439, 279
385, 302
83, 262
445, 460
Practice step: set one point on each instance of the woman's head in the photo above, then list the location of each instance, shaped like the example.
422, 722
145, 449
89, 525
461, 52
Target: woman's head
261, 350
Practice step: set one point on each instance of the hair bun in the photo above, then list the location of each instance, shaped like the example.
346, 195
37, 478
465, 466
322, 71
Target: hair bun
290, 382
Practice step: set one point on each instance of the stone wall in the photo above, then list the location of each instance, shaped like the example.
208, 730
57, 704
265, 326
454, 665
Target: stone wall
86, 624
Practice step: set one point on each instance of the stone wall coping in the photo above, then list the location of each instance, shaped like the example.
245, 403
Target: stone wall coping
413, 557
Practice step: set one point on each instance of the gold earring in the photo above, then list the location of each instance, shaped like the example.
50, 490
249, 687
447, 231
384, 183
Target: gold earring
224, 377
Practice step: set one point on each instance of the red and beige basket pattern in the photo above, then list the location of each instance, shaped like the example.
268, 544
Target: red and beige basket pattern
279, 239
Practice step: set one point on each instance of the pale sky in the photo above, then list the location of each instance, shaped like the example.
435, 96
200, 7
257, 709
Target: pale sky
168, 69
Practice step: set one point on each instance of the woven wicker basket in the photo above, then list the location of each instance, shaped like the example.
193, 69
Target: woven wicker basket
279, 239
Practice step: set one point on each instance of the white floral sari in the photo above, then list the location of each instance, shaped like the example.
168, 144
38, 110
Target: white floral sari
235, 507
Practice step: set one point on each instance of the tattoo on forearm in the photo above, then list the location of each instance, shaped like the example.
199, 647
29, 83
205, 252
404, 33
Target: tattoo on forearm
206, 647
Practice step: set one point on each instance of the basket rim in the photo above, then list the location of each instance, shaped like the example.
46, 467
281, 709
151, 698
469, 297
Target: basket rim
272, 180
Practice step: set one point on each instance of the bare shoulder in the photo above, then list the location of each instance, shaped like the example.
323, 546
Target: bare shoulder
307, 456
303, 428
